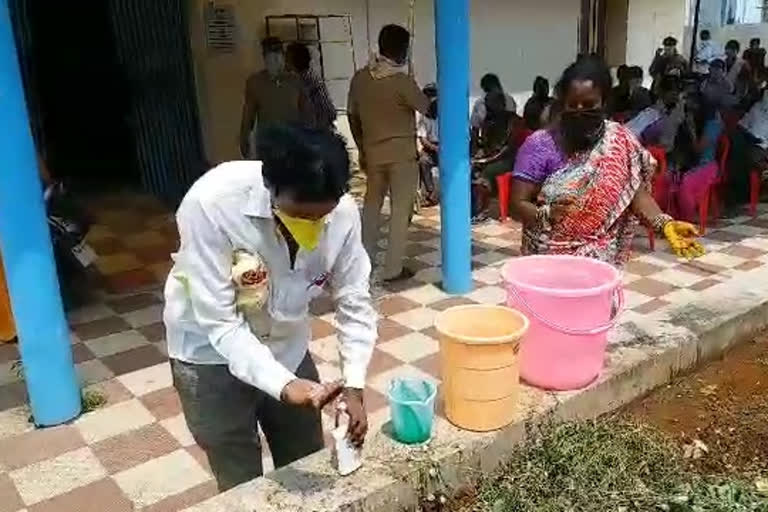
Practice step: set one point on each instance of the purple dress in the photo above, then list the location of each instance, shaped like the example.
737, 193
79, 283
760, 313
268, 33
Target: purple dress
538, 158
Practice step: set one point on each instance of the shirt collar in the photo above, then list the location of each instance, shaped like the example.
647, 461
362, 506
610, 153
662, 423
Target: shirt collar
259, 203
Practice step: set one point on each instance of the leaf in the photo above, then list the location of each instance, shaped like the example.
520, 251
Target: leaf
761, 484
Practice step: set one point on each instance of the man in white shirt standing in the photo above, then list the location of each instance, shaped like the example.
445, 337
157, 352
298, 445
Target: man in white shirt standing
290, 209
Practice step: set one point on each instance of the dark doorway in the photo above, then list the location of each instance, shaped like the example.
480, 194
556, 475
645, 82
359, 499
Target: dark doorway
77, 93
111, 93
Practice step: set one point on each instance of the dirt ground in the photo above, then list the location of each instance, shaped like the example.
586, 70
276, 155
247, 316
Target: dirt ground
719, 413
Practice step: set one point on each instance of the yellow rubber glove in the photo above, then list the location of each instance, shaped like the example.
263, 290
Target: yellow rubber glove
682, 238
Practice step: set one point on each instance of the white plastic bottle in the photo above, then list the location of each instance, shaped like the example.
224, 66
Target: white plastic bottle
345, 457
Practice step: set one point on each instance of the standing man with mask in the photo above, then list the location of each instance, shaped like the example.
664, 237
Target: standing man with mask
293, 212
667, 62
272, 95
382, 105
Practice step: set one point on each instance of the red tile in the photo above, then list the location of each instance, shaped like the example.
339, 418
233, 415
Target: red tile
130, 281
10, 501
742, 251
389, 330
37, 445
321, 328
700, 268
81, 353
134, 359
133, 302
9, 352
101, 328
431, 331
512, 251
153, 332
704, 284
395, 304
429, 364
641, 268
186, 499
374, 400
650, 307
725, 236
749, 265
322, 306
414, 250
101, 496
135, 447
451, 302
12, 395
382, 362
420, 235
153, 253
651, 287
163, 403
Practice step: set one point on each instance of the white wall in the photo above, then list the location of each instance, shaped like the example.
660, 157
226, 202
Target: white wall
515, 39
650, 21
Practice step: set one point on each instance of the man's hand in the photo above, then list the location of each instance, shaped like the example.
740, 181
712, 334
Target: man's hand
306, 393
358, 418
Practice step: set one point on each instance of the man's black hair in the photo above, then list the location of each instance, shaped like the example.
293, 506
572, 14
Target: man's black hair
669, 41
430, 90
541, 85
669, 83
717, 63
622, 72
490, 82
298, 55
705, 34
733, 45
271, 44
588, 68
635, 72
393, 42
311, 165
754, 40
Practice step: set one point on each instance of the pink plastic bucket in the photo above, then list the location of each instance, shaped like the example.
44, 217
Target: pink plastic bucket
572, 302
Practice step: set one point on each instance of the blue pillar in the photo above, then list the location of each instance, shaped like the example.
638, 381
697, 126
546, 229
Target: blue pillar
27, 255
452, 44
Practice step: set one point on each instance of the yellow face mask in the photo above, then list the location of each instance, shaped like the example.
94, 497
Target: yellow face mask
306, 232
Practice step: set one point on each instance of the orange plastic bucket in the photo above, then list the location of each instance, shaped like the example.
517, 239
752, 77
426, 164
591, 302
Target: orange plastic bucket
479, 364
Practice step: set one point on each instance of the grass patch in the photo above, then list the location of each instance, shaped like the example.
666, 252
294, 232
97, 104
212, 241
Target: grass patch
92, 400
608, 466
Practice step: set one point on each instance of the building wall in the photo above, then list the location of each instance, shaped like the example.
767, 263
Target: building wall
650, 21
517, 40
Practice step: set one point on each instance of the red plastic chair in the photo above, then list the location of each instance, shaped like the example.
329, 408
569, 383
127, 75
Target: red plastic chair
755, 177
660, 155
504, 181
712, 194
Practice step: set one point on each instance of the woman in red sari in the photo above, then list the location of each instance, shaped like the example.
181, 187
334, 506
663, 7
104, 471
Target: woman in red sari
581, 186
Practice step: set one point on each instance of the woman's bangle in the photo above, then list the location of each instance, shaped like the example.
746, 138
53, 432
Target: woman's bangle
660, 221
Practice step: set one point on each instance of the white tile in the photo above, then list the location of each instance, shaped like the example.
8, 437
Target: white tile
115, 343
110, 421
177, 427
89, 313
328, 372
8, 374
633, 299
326, 348
757, 242
488, 295
381, 381
487, 275
492, 229
160, 478
677, 278
741, 229
15, 421
723, 260
429, 275
91, 372
411, 347
426, 294
59, 475
146, 316
659, 258
500, 242
416, 319
147, 380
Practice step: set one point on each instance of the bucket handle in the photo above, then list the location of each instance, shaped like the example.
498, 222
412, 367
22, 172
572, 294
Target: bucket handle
619, 306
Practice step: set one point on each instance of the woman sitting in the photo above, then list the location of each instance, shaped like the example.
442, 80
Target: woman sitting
493, 149
749, 151
580, 186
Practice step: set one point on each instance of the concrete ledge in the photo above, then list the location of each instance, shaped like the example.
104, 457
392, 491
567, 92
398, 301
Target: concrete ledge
645, 352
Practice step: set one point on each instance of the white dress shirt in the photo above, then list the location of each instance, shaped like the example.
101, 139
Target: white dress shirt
756, 121
230, 209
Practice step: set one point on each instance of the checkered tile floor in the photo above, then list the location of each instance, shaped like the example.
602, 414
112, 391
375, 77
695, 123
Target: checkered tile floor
135, 453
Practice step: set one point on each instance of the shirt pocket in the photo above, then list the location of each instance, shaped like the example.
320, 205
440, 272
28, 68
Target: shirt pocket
289, 298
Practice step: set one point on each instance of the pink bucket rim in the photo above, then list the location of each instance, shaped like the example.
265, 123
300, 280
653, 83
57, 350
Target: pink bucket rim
558, 292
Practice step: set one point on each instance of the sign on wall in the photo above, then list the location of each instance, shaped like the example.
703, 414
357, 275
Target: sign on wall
220, 28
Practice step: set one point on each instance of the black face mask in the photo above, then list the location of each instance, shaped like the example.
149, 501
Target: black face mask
582, 128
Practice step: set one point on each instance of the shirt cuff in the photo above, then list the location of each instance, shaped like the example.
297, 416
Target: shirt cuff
275, 384
354, 376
